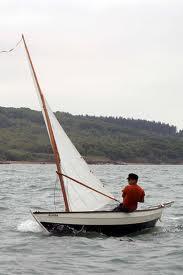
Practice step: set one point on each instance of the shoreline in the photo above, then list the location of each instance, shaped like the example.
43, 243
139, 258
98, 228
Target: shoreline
93, 162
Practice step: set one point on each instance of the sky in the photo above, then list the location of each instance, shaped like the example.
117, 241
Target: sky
99, 57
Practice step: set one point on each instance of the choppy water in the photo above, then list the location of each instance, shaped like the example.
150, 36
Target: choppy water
25, 249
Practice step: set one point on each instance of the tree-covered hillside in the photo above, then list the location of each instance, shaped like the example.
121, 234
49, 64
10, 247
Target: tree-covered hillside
23, 136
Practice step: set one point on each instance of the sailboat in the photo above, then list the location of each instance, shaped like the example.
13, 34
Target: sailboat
88, 204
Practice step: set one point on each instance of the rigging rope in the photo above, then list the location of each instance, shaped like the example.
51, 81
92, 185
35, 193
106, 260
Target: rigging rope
12, 49
56, 180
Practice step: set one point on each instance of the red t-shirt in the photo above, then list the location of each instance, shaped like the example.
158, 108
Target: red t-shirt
132, 194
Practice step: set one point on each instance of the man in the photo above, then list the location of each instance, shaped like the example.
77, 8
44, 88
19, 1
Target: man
132, 194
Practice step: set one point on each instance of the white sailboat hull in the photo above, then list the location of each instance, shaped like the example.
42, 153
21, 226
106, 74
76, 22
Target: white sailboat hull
109, 223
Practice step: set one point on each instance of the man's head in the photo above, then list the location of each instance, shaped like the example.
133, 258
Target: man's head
132, 178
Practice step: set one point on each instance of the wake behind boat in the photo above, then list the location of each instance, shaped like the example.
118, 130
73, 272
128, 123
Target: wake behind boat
85, 198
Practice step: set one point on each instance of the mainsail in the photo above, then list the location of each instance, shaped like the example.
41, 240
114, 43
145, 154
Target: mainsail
69, 162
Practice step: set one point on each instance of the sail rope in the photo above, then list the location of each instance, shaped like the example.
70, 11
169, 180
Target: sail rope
12, 49
54, 195
95, 190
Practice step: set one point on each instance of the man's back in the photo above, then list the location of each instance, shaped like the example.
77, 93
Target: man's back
132, 194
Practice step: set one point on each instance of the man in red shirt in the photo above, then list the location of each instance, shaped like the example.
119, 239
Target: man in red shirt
132, 194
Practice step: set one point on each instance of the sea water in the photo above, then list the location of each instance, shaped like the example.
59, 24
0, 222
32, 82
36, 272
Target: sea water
26, 249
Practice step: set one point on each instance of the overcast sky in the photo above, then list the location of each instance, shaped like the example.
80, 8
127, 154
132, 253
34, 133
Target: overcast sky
99, 57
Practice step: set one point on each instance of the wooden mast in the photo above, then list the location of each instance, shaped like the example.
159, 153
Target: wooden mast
51, 134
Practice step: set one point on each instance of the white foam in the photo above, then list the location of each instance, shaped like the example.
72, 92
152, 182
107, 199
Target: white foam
29, 226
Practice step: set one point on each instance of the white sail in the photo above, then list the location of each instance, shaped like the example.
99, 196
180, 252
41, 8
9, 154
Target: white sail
79, 198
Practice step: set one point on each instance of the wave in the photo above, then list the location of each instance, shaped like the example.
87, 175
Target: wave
175, 218
29, 226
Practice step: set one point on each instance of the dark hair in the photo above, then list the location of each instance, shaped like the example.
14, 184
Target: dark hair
132, 176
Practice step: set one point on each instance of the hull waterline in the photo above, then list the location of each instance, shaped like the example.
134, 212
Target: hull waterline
108, 230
